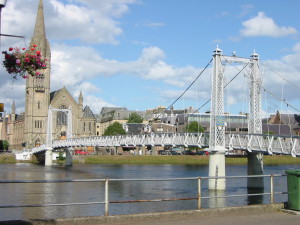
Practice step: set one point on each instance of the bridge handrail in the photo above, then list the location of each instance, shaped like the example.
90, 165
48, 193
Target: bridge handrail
106, 200
271, 144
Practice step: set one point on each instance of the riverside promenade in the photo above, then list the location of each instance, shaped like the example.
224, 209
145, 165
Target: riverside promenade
256, 214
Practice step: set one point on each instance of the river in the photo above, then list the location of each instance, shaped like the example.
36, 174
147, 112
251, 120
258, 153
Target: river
46, 193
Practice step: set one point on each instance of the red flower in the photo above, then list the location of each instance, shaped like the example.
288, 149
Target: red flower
20, 61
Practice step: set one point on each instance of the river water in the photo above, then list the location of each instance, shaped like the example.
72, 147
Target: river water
47, 193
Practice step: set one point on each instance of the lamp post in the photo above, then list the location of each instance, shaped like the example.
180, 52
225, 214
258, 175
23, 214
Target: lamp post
2, 5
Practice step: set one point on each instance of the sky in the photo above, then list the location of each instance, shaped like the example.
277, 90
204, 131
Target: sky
142, 54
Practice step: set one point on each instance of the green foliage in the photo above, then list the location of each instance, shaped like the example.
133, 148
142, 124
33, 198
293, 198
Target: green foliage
61, 156
4, 145
194, 127
114, 129
135, 118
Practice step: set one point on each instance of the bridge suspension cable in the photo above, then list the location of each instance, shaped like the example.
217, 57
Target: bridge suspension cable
278, 74
224, 87
186, 88
280, 99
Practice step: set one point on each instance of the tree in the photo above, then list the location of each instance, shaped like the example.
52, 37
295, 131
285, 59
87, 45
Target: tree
194, 126
4, 145
114, 129
135, 118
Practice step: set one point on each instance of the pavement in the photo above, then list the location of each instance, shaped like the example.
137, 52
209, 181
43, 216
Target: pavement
256, 214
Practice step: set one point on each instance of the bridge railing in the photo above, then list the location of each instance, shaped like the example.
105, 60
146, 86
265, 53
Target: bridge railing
107, 182
247, 142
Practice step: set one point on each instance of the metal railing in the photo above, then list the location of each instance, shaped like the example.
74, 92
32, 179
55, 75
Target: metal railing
272, 144
107, 201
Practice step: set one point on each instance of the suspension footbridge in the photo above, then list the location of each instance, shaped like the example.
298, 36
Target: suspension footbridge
217, 141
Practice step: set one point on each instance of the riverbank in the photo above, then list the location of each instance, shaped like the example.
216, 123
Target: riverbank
162, 159
179, 159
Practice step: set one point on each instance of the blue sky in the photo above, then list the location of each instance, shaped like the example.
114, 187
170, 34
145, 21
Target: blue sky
144, 53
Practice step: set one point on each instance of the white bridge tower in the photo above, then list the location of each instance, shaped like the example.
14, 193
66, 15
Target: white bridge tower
217, 121
48, 157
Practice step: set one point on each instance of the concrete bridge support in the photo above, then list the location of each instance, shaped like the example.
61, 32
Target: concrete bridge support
217, 169
48, 157
69, 158
255, 167
153, 150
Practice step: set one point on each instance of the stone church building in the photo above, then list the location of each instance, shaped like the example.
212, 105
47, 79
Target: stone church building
29, 128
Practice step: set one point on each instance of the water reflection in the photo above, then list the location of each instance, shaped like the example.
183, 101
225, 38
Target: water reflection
48, 193
216, 200
255, 199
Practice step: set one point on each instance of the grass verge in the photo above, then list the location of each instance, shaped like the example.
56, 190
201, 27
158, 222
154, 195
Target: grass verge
159, 159
182, 159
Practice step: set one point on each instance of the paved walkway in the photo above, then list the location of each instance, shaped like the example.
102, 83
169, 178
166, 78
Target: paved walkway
257, 215
269, 218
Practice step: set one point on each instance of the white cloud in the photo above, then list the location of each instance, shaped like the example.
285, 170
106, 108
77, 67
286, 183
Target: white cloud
87, 21
261, 25
245, 10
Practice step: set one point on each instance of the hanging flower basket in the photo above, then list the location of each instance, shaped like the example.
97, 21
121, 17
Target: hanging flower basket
24, 61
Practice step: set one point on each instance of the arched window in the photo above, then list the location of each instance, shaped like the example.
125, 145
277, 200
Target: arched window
37, 143
62, 117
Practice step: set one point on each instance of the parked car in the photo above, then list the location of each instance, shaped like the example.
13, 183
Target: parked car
203, 153
188, 152
174, 153
81, 152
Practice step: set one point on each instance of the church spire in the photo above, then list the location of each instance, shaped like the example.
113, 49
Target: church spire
39, 29
39, 36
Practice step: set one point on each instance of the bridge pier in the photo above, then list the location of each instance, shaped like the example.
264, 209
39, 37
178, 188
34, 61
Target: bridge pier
255, 167
69, 158
48, 157
217, 169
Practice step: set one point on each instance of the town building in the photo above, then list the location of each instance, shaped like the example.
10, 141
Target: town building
282, 124
28, 129
109, 115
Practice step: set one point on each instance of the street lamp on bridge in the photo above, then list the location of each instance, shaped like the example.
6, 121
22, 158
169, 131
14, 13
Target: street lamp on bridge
2, 5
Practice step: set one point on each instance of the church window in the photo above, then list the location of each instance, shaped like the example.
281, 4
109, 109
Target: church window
37, 124
39, 83
90, 126
37, 143
39, 104
83, 127
62, 117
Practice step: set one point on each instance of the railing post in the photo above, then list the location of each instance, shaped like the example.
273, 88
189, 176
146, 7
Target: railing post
199, 193
106, 198
272, 188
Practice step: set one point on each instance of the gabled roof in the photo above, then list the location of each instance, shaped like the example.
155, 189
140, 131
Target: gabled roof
135, 128
290, 119
87, 113
61, 91
109, 109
